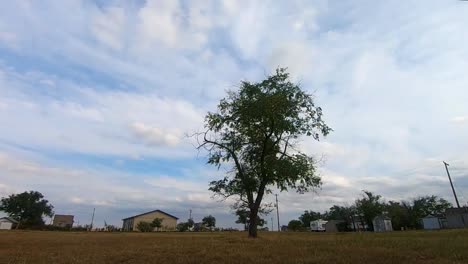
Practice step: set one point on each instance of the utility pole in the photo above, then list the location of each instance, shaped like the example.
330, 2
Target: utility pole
277, 212
190, 214
92, 220
451, 184
272, 224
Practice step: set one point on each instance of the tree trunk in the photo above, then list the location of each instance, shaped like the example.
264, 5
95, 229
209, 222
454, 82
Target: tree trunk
253, 223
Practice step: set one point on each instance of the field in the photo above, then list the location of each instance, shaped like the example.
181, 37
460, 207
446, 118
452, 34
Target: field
448, 246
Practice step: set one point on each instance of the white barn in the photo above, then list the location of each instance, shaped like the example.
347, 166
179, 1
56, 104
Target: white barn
431, 222
7, 223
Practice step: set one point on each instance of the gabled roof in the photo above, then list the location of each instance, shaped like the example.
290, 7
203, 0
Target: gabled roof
150, 213
9, 219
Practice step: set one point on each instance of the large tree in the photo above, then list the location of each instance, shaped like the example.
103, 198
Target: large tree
27, 208
209, 221
423, 206
344, 213
370, 206
254, 131
309, 216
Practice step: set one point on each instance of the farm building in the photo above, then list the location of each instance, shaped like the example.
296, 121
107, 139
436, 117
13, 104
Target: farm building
382, 224
63, 221
457, 217
332, 225
318, 225
431, 222
169, 222
7, 223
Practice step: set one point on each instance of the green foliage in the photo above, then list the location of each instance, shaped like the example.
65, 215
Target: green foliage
145, 227
370, 206
309, 216
295, 225
182, 227
157, 223
412, 212
255, 129
190, 222
28, 208
243, 217
209, 221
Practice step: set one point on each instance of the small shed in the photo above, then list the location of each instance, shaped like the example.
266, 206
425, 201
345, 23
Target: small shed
457, 217
382, 224
63, 221
7, 223
332, 225
431, 222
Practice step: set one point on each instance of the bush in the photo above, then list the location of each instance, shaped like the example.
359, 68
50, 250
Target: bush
145, 227
182, 227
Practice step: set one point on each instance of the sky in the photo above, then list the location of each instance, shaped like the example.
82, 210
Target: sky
97, 98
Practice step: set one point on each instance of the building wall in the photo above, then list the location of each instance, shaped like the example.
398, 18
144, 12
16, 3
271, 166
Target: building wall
457, 220
168, 223
5, 225
63, 220
431, 223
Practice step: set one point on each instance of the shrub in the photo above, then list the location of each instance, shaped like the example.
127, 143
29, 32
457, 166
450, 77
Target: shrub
145, 227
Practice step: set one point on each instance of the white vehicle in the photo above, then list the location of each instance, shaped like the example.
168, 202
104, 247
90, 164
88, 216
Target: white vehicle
318, 225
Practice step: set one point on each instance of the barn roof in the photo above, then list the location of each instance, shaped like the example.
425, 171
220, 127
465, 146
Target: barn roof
154, 211
9, 219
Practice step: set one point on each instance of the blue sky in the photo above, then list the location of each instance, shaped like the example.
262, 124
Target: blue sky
96, 98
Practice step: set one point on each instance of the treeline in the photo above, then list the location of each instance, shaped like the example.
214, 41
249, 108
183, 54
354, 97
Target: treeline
404, 214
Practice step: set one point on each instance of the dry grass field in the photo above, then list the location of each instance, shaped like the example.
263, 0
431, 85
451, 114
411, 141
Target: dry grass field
448, 246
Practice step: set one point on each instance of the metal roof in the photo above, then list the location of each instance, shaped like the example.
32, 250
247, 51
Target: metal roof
9, 219
150, 213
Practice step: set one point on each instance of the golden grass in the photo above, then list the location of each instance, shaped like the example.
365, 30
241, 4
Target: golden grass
448, 246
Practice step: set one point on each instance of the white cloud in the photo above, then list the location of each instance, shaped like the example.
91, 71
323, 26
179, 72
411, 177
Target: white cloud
109, 26
460, 119
156, 136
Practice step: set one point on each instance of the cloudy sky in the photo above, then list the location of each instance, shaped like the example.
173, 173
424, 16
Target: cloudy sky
96, 98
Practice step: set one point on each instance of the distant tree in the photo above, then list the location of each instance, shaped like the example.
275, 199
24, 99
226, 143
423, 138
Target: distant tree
295, 225
109, 228
209, 221
243, 218
27, 208
255, 130
145, 227
182, 227
399, 214
190, 223
347, 214
423, 206
370, 206
157, 223
309, 216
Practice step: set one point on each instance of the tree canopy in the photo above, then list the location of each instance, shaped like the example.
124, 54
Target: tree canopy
255, 132
295, 225
28, 208
309, 216
369, 206
209, 221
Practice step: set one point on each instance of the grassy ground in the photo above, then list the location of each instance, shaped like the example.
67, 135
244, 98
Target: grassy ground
448, 246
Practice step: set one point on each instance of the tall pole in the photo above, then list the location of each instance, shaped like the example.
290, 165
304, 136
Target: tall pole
451, 184
277, 212
272, 224
190, 214
92, 220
